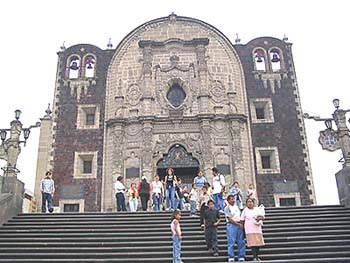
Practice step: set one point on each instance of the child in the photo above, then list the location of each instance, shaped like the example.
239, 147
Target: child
179, 196
177, 236
211, 221
186, 194
203, 204
260, 214
47, 188
210, 189
133, 195
236, 192
251, 193
193, 199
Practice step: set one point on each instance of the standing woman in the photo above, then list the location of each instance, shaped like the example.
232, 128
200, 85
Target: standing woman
157, 193
170, 182
252, 225
144, 192
133, 196
119, 193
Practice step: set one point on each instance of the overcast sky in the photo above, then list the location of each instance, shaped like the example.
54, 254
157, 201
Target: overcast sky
33, 31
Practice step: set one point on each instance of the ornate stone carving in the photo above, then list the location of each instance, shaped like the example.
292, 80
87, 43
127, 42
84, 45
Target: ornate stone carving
178, 157
79, 87
217, 91
133, 95
118, 138
236, 144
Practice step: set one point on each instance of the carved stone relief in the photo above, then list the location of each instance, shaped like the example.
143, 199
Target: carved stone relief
133, 95
217, 91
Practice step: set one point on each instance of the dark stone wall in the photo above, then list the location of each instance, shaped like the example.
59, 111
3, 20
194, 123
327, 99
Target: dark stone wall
284, 133
69, 139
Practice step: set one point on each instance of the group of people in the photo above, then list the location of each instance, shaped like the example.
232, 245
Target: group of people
240, 222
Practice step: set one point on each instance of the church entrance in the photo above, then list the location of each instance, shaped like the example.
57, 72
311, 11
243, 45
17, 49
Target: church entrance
184, 164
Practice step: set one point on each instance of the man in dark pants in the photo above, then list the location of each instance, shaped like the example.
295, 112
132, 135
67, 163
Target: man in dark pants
211, 222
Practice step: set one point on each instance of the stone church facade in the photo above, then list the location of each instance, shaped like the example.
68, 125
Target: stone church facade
175, 93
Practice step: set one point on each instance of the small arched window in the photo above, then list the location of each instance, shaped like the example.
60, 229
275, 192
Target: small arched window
176, 95
275, 59
73, 67
89, 66
260, 60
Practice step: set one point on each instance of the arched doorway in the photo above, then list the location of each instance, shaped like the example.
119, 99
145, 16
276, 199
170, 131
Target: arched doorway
183, 163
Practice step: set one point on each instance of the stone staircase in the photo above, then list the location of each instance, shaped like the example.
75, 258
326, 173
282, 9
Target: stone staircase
292, 234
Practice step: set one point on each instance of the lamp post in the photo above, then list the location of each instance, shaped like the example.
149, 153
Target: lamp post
10, 148
332, 140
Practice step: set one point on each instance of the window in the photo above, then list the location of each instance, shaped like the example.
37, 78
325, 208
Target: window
259, 59
89, 68
88, 116
287, 202
90, 119
261, 110
260, 113
275, 59
73, 67
85, 165
71, 208
267, 160
287, 199
71, 205
176, 95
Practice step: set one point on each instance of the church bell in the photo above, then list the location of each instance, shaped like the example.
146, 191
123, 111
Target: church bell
275, 58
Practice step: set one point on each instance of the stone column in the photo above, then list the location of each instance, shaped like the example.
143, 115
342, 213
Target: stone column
147, 152
203, 97
43, 161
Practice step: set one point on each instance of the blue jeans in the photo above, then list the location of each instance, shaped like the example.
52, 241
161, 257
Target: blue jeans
170, 197
193, 207
46, 197
120, 202
133, 205
176, 249
234, 235
157, 200
180, 203
219, 201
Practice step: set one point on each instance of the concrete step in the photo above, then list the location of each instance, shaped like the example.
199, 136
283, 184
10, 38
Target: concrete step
292, 234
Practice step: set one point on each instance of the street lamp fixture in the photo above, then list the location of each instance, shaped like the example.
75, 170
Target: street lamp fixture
328, 123
10, 148
17, 114
3, 134
332, 140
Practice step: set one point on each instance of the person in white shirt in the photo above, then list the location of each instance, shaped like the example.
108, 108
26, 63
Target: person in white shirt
218, 189
119, 194
157, 193
47, 188
234, 230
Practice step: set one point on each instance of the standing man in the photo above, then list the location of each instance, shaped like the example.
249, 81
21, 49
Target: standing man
218, 189
119, 193
234, 230
47, 188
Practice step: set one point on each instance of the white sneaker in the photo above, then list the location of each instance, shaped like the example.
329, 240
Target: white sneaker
241, 260
231, 260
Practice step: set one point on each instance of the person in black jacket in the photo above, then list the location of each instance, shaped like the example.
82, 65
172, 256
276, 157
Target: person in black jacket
144, 192
211, 222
